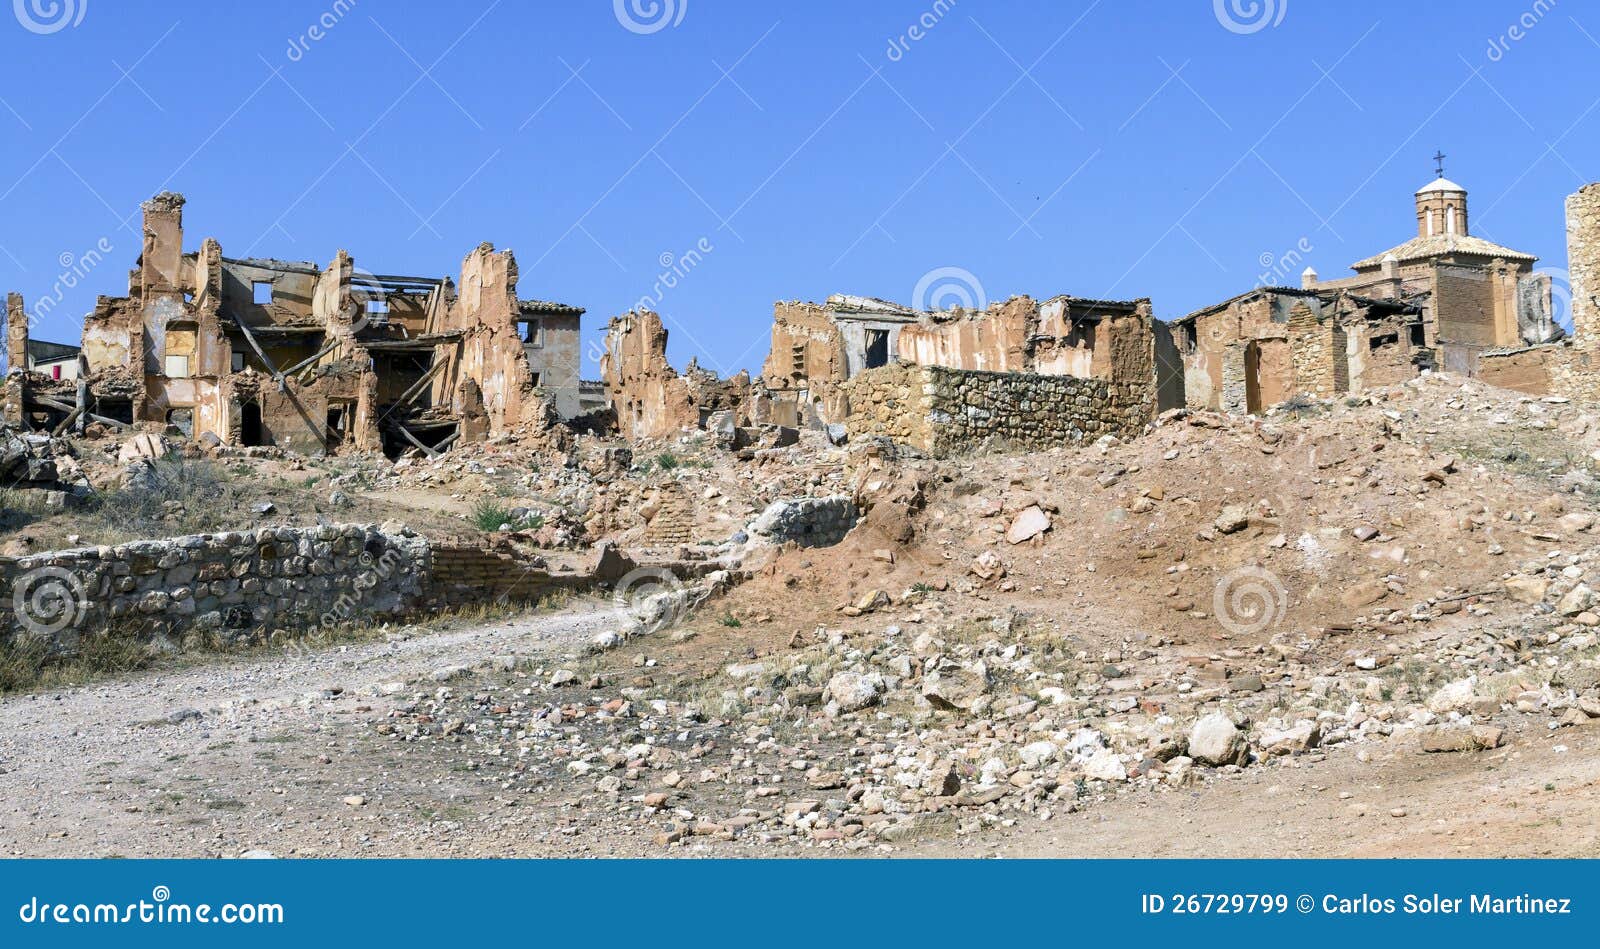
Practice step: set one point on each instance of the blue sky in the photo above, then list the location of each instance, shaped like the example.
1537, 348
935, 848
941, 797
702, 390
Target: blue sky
904, 149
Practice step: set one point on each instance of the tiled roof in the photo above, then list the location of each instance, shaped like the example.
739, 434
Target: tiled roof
1441, 245
549, 307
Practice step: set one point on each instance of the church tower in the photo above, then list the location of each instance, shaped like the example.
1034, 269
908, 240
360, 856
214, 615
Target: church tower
1442, 209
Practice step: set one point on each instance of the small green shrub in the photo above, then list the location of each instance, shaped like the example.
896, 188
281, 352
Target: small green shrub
488, 515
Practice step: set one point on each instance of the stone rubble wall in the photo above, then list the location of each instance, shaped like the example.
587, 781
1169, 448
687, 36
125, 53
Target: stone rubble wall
240, 586
950, 411
809, 522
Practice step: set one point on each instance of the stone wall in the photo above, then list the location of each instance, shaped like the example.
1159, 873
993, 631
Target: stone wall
239, 585
950, 411
809, 522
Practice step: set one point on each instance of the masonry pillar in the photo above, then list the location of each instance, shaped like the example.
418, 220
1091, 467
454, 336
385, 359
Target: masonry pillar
16, 334
162, 255
1583, 264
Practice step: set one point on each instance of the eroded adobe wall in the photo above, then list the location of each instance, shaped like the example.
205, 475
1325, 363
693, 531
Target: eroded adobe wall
994, 340
491, 354
648, 396
807, 347
1523, 370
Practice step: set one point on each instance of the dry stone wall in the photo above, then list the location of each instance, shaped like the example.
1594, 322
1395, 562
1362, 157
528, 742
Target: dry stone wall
949, 411
236, 585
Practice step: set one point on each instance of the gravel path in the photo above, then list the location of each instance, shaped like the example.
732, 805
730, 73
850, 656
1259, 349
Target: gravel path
236, 754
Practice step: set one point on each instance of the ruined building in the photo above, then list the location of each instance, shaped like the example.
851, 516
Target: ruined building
997, 373
1441, 300
648, 398
254, 352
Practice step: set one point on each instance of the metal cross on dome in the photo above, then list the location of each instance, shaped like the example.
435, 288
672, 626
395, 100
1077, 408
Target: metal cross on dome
1439, 156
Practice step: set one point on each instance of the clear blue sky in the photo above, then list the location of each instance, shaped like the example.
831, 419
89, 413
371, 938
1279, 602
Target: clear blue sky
1119, 149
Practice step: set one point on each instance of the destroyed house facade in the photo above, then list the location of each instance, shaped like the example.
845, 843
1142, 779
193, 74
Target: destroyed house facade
264, 352
836, 366
818, 348
1268, 345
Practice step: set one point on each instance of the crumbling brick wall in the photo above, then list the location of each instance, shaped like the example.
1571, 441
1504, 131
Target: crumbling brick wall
1464, 299
949, 411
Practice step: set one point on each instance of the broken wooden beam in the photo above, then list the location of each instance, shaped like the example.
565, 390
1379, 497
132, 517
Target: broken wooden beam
260, 353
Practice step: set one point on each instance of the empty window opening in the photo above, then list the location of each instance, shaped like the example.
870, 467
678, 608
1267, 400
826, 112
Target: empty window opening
238, 362
261, 292
1387, 339
537, 377
1419, 334
179, 353
534, 336
877, 348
